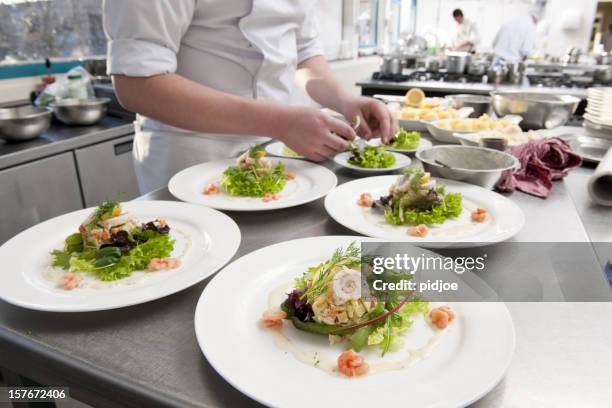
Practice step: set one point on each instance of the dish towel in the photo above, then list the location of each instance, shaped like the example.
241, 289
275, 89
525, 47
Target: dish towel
600, 184
542, 161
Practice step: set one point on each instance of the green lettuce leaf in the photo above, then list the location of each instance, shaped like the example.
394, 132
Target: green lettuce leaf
238, 182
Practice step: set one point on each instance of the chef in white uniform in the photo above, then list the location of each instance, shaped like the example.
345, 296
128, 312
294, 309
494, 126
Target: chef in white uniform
211, 78
516, 39
465, 36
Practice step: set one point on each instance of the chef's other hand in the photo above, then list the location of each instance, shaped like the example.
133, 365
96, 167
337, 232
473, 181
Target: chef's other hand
377, 121
314, 134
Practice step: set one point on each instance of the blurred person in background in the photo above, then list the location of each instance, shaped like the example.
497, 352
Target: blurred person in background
516, 39
465, 34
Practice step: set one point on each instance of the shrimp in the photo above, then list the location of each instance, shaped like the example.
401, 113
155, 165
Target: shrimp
269, 197
290, 176
366, 200
419, 231
211, 189
441, 317
480, 215
164, 264
273, 318
70, 281
352, 364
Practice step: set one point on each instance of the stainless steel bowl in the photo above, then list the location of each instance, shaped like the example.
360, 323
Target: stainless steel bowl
480, 103
23, 123
475, 165
539, 110
80, 112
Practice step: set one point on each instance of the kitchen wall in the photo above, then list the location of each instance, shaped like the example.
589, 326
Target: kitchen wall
435, 17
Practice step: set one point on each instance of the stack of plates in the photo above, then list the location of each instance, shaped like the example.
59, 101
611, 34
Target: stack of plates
599, 110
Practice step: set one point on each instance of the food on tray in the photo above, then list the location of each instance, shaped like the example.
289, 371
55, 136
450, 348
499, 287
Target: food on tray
111, 245
371, 157
416, 200
415, 97
404, 140
477, 125
329, 299
254, 176
427, 113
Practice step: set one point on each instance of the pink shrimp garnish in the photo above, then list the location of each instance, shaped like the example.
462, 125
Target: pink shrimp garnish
366, 200
211, 189
164, 264
273, 318
441, 317
70, 281
420, 231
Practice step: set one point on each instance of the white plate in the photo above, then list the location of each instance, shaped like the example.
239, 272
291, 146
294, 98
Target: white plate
278, 149
245, 355
205, 240
423, 144
421, 125
311, 183
506, 218
401, 161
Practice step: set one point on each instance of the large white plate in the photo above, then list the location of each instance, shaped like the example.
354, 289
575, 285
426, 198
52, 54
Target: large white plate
205, 238
401, 161
244, 354
278, 149
423, 144
506, 218
311, 183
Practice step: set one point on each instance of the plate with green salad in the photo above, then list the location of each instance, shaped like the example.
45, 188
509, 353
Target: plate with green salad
418, 208
253, 182
306, 318
403, 142
368, 159
116, 255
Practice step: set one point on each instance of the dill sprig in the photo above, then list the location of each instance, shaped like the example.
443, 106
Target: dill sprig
348, 257
106, 207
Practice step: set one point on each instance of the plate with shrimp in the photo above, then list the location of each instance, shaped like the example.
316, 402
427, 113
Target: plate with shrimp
301, 319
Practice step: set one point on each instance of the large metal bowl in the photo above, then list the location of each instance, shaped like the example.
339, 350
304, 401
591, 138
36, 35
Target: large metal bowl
80, 112
480, 103
23, 123
475, 165
539, 110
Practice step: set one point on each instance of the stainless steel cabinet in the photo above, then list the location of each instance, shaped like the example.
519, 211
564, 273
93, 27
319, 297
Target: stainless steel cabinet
34, 192
107, 172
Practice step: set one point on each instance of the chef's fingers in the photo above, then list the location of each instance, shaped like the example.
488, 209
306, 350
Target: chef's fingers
381, 114
336, 143
341, 128
394, 124
365, 131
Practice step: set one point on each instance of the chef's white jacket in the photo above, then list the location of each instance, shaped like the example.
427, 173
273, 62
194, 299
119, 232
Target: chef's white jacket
246, 48
465, 32
516, 39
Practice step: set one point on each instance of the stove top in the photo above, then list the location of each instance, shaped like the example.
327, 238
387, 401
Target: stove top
421, 76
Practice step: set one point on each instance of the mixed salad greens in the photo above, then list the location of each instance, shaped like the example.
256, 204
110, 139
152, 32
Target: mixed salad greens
415, 199
111, 244
253, 175
371, 157
404, 140
328, 299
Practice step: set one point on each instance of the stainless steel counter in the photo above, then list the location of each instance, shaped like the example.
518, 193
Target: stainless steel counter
457, 87
61, 138
147, 355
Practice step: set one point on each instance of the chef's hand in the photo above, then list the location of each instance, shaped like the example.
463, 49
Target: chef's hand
314, 134
377, 121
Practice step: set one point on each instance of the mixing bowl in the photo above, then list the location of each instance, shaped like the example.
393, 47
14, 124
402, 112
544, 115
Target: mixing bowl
80, 112
23, 123
539, 110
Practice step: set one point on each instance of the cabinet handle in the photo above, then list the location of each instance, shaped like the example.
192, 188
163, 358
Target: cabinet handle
122, 148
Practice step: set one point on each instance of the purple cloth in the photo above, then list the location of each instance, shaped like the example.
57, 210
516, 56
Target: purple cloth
542, 161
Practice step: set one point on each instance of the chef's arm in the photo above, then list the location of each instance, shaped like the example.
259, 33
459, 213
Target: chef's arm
316, 78
180, 102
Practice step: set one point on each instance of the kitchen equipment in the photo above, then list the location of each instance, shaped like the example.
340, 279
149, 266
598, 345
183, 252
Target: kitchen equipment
600, 184
475, 165
432, 64
391, 65
457, 62
497, 73
480, 103
538, 110
591, 149
23, 123
478, 67
495, 143
80, 112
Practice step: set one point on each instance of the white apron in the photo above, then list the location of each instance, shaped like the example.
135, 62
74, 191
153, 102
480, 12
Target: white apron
246, 48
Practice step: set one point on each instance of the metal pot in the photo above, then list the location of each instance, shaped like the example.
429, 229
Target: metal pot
478, 68
457, 62
23, 123
432, 65
391, 64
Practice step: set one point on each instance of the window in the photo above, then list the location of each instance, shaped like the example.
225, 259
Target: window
60, 29
367, 23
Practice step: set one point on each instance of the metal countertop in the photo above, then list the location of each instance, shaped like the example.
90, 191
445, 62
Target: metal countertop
61, 138
147, 355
